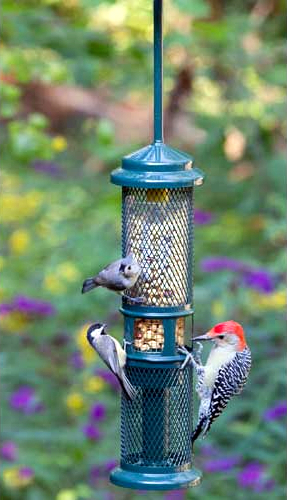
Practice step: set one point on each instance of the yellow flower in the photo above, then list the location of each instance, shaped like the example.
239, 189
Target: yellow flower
14, 477
9, 181
87, 351
279, 299
67, 495
16, 207
273, 301
54, 284
11, 477
94, 384
13, 322
19, 241
59, 143
68, 271
218, 308
75, 402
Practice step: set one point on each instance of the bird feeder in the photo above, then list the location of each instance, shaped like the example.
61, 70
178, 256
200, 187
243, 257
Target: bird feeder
157, 227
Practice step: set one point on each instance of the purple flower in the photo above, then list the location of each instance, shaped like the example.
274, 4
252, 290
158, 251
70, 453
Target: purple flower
28, 306
213, 264
92, 432
208, 450
98, 412
6, 309
175, 495
257, 279
26, 472
25, 400
252, 476
47, 167
76, 360
275, 412
9, 451
102, 470
221, 464
201, 217
95, 472
109, 378
110, 465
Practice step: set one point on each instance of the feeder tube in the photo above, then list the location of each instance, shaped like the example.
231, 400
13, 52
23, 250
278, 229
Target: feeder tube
158, 78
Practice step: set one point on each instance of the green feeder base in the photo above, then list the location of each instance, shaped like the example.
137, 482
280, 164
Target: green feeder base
144, 481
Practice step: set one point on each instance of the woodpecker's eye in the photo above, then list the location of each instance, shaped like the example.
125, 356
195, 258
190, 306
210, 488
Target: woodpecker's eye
221, 337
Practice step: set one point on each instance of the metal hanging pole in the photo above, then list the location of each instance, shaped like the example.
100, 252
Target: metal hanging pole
158, 75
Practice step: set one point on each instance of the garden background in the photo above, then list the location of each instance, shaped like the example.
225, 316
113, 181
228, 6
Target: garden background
76, 95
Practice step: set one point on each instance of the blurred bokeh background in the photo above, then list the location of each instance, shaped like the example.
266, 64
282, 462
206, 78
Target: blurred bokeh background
76, 94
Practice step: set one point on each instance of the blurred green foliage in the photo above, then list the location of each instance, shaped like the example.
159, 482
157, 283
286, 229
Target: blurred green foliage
61, 223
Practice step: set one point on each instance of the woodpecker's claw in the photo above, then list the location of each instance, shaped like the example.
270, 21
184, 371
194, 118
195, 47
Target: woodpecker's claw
188, 357
199, 348
198, 353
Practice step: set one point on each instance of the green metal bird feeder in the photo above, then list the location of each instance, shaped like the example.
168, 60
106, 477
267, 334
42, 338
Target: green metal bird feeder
157, 227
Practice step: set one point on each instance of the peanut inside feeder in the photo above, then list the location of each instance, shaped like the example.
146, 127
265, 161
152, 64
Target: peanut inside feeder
149, 334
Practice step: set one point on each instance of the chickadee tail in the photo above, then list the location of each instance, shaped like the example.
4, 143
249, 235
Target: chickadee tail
127, 387
88, 285
199, 428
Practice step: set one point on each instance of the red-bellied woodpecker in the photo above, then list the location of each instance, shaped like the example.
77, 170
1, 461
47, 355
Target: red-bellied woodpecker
224, 374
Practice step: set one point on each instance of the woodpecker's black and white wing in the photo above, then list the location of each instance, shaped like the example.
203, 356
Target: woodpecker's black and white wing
230, 380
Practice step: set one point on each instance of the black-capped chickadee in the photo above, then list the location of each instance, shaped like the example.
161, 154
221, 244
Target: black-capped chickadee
118, 276
111, 352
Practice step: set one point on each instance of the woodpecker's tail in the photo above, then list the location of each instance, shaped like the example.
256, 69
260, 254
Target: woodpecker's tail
127, 387
201, 426
88, 285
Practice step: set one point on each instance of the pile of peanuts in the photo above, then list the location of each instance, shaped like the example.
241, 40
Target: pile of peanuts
149, 334
179, 331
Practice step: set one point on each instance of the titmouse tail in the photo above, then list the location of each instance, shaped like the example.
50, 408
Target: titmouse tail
127, 387
88, 285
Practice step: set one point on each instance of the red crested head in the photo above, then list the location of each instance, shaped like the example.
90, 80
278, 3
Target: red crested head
222, 331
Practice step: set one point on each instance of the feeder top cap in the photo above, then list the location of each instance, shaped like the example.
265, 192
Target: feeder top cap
157, 166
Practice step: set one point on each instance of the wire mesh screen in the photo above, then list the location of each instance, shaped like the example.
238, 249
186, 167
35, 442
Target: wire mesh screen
156, 426
149, 334
158, 229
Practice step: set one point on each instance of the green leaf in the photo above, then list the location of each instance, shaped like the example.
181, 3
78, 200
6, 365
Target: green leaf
196, 8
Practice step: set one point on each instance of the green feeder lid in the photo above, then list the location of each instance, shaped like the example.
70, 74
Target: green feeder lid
157, 166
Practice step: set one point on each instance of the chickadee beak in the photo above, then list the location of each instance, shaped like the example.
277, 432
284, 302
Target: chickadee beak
202, 337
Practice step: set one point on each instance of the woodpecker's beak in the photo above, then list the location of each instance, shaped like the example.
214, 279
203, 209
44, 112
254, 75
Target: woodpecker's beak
206, 336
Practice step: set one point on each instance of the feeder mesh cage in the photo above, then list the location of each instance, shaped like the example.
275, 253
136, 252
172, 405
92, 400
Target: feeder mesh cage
156, 426
158, 230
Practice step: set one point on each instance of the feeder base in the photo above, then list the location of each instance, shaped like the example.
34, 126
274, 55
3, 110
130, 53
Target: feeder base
144, 481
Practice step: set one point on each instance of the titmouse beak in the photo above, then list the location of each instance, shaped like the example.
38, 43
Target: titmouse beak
122, 268
202, 337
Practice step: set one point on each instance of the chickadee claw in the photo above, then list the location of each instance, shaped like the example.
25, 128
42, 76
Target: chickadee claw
125, 344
